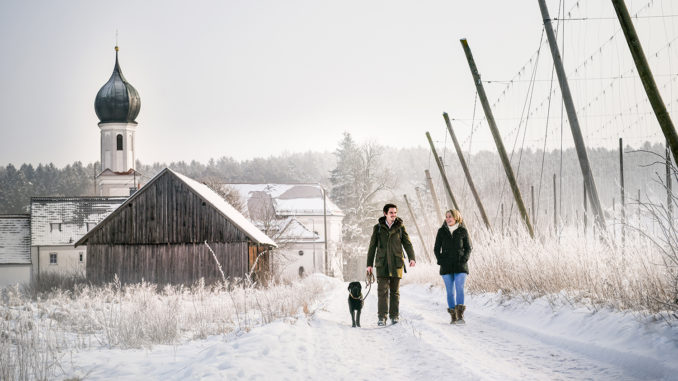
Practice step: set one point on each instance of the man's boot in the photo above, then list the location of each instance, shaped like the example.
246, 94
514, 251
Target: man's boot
460, 308
453, 315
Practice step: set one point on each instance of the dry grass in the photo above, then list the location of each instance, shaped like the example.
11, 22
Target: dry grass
38, 330
583, 271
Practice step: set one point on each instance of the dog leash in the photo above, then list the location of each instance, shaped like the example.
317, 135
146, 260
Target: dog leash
369, 279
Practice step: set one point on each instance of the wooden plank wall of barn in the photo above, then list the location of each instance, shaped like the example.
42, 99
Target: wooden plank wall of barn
160, 236
176, 263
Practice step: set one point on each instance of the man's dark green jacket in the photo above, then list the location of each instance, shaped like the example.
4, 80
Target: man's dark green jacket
386, 248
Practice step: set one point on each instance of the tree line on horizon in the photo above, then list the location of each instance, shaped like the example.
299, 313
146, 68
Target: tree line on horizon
357, 174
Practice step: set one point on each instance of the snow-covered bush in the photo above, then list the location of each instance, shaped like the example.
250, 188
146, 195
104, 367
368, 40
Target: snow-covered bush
589, 271
36, 334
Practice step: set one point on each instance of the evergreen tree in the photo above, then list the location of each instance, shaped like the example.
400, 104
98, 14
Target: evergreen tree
344, 177
356, 181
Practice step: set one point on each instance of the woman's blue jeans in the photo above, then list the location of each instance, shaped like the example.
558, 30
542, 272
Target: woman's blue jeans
454, 285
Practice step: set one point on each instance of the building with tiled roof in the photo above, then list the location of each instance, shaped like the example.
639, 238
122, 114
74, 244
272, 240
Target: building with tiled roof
15, 249
307, 212
57, 223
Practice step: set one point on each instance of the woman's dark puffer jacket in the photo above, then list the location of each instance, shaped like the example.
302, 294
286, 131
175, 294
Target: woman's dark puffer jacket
452, 250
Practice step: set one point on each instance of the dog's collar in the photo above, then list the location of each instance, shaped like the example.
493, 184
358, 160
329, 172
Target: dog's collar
357, 298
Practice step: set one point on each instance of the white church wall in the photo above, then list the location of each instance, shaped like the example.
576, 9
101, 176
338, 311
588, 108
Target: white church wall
290, 260
334, 224
112, 158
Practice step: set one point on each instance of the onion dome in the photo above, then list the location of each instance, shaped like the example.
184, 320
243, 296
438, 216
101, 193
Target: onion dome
117, 101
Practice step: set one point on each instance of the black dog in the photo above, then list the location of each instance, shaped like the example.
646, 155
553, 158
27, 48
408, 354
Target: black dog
355, 302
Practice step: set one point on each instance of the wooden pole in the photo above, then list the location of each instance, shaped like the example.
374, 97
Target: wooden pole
432, 190
497, 137
502, 218
442, 171
416, 225
646, 76
638, 201
449, 199
467, 172
669, 193
573, 121
426, 215
586, 211
327, 263
534, 213
614, 211
621, 184
555, 207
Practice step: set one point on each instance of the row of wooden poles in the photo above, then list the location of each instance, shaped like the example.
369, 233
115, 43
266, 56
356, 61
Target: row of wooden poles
425, 206
590, 189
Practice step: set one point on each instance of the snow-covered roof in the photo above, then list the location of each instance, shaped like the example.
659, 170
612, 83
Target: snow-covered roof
295, 230
291, 199
292, 230
64, 220
211, 197
226, 210
15, 239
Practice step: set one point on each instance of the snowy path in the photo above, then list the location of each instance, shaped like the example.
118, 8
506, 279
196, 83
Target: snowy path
570, 344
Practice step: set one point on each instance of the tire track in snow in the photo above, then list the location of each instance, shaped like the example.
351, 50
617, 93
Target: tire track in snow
497, 349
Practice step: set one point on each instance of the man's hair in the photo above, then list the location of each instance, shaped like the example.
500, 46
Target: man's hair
389, 206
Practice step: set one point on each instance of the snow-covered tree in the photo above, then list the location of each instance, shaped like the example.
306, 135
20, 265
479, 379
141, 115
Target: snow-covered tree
356, 182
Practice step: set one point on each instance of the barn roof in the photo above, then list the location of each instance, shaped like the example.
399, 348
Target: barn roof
15, 239
291, 199
63, 220
207, 195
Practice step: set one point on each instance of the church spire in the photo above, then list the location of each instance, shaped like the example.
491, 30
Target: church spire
117, 101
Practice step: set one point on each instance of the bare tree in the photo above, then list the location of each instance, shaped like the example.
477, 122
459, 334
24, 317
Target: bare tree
228, 193
262, 212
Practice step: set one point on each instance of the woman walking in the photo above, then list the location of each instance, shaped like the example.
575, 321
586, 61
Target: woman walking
452, 250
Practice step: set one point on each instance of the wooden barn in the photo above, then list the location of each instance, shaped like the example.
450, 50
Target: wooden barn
159, 235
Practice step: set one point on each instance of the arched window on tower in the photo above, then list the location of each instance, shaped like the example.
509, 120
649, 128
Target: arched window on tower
119, 141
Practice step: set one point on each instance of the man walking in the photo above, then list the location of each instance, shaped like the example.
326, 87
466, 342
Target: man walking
388, 239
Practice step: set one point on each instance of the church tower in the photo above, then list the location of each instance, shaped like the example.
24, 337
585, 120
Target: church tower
117, 105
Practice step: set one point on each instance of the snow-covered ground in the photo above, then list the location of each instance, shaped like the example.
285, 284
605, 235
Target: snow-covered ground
502, 340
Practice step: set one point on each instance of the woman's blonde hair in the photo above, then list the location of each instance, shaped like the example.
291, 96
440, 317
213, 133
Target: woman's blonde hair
456, 214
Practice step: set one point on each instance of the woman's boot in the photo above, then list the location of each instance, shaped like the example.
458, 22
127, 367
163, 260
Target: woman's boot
459, 309
453, 314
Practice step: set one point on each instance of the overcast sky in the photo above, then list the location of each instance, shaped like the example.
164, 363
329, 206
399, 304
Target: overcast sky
251, 78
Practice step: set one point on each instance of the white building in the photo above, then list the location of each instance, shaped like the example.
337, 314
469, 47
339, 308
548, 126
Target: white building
15, 249
57, 223
308, 217
300, 250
